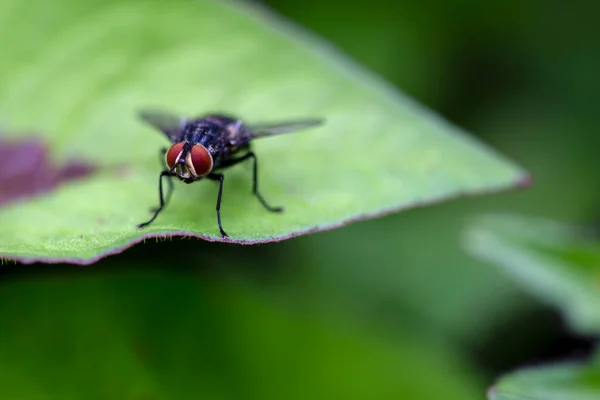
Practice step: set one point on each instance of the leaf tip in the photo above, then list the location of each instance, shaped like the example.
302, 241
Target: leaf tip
525, 181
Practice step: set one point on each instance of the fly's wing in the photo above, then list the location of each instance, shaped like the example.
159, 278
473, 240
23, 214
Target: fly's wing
262, 130
169, 124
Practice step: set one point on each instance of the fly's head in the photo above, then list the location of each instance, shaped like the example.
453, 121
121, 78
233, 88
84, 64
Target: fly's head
189, 161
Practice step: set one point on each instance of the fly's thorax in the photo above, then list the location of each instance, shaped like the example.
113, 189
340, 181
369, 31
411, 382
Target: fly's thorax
189, 161
203, 132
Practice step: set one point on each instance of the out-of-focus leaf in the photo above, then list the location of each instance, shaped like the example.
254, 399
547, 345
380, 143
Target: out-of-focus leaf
178, 335
559, 264
78, 71
557, 382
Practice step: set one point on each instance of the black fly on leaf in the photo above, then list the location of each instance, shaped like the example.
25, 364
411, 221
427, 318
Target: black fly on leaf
204, 146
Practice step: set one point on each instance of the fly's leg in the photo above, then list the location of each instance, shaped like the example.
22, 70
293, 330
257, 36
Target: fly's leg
255, 186
254, 179
163, 151
220, 178
168, 174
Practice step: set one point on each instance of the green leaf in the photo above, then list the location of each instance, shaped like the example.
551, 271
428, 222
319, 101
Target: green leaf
557, 263
77, 72
571, 381
177, 335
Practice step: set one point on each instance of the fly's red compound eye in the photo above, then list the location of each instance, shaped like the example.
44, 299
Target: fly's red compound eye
201, 160
173, 153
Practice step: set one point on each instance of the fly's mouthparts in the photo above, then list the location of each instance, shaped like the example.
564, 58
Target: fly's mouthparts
182, 171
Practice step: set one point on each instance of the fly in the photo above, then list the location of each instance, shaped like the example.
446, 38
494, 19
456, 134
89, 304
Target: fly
204, 146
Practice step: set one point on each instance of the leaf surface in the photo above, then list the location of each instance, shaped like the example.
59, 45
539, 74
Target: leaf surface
76, 74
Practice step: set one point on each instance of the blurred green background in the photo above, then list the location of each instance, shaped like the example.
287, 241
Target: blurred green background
388, 308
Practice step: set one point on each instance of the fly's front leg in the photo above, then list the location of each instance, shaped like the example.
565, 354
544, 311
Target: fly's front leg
163, 151
220, 178
156, 211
